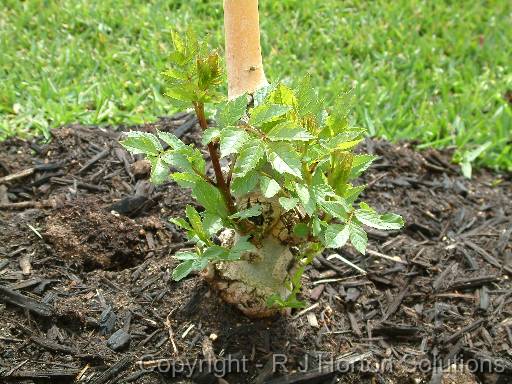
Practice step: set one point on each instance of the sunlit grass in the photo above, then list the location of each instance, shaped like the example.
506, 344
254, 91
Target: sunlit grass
436, 71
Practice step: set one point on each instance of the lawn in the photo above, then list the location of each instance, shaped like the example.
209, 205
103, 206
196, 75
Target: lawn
436, 71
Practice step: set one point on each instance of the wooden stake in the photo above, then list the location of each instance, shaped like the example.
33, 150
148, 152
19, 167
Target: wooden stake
243, 50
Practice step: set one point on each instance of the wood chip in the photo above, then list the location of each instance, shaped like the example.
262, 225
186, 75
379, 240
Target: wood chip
25, 265
312, 320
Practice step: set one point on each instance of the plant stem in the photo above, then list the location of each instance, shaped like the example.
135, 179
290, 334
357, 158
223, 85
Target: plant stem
214, 155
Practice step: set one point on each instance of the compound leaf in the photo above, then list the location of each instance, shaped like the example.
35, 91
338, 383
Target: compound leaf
159, 170
336, 235
371, 218
255, 210
183, 270
171, 140
210, 198
288, 202
244, 185
266, 112
269, 187
231, 112
284, 158
288, 131
142, 142
250, 154
358, 237
211, 134
306, 198
232, 140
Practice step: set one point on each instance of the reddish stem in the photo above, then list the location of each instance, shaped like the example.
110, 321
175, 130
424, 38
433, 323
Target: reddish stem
214, 155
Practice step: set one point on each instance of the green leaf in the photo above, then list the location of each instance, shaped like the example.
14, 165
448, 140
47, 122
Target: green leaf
211, 134
186, 159
275, 300
243, 185
284, 159
171, 140
317, 226
181, 223
215, 253
185, 179
186, 255
210, 198
306, 198
336, 235
341, 139
291, 302
197, 225
263, 92
361, 163
232, 140
308, 103
192, 262
352, 193
159, 170
183, 270
241, 246
269, 187
470, 156
255, 210
230, 113
208, 71
250, 154
175, 74
337, 120
177, 42
345, 146
142, 142
266, 112
321, 190
341, 166
358, 237
177, 160
182, 92
475, 153
315, 153
283, 95
336, 208
288, 202
466, 168
288, 131
371, 218
200, 264
212, 223
301, 230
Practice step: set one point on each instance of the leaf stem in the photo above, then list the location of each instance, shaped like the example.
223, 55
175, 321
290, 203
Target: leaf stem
231, 169
203, 176
214, 155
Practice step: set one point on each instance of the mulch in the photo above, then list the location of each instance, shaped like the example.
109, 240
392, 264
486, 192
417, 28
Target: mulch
86, 293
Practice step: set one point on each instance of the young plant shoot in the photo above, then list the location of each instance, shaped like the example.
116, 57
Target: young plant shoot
285, 196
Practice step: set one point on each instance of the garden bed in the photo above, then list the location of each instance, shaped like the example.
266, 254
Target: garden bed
85, 277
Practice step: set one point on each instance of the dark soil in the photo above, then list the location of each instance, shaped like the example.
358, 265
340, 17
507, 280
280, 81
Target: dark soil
85, 266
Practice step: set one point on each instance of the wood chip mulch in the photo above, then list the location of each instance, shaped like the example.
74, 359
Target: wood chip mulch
86, 293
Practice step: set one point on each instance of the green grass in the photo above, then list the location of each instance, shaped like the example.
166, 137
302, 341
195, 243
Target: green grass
435, 71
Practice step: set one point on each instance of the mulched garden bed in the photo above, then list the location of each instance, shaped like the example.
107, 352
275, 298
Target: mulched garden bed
86, 291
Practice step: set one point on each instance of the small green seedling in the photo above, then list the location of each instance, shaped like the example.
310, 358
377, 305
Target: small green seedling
286, 194
467, 158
